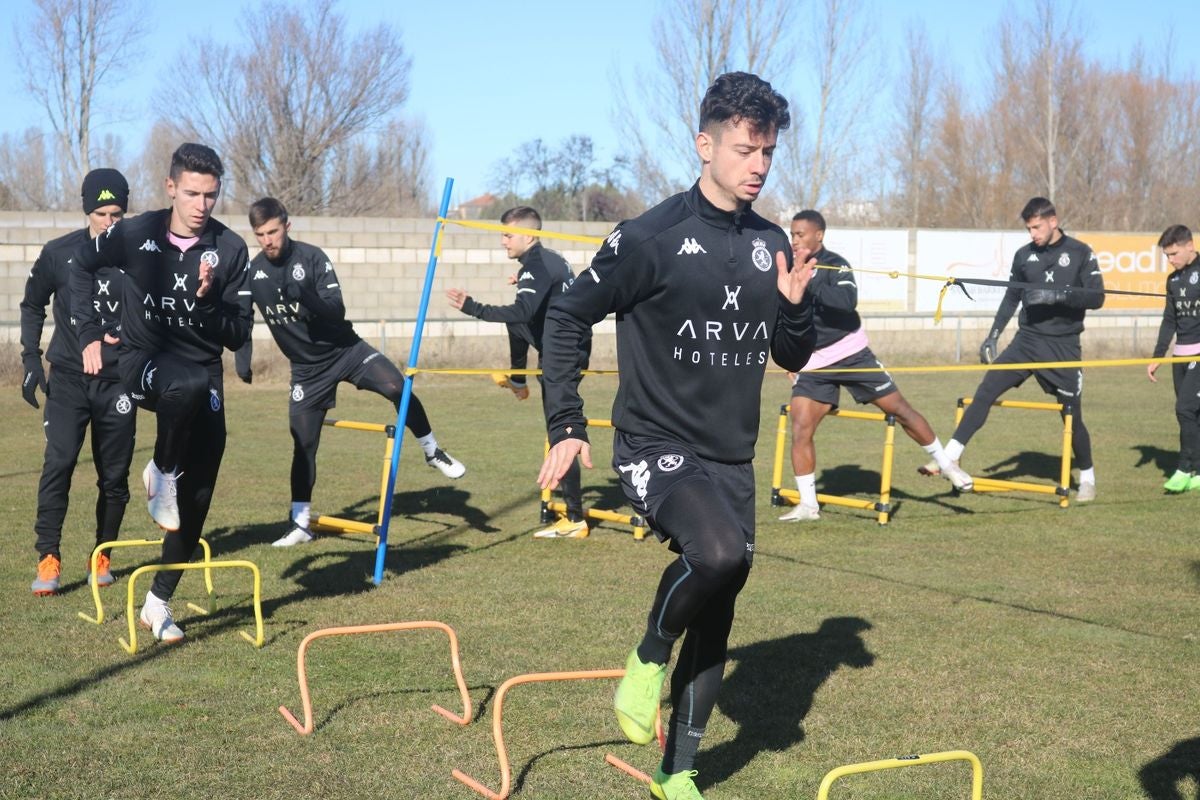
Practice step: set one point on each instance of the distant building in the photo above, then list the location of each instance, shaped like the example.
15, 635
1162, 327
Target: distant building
474, 208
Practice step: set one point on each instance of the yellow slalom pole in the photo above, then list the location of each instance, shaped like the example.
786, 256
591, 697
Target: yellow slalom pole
1065, 479
777, 464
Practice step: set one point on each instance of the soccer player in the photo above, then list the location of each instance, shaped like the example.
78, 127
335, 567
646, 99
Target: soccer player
185, 297
703, 289
1067, 282
1181, 320
842, 344
543, 275
297, 292
73, 400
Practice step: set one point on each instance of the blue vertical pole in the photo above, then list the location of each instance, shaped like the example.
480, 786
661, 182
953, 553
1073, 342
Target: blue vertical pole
406, 396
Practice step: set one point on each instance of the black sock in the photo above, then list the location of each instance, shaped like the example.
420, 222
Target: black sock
682, 744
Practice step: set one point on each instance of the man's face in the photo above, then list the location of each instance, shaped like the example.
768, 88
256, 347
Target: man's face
516, 244
1042, 230
806, 236
272, 237
736, 159
193, 198
1180, 255
103, 218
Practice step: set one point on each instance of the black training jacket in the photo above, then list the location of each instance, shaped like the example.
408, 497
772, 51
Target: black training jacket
698, 309
1181, 313
1064, 264
834, 296
543, 275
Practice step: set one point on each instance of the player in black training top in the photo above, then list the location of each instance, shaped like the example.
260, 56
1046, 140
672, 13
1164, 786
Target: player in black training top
185, 297
73, 400
842, 345
542, 276
1068, 283
298, 294
703, 291
1181, 320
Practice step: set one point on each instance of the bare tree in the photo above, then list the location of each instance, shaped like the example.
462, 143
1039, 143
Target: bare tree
25, 178
915, 93
280, 107
71, 48
384, 175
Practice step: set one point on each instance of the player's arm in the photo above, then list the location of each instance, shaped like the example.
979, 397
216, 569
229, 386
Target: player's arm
1092, 281
532, 287
1013, 297
243, 357
39, 287
794, 337
1166, 332
834, 290
319, 290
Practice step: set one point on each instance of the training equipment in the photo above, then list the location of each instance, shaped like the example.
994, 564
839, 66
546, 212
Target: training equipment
637, 697
802, 513
301, 673
445, 463
564, 529
49, 570
554, 508
98, 554
882, 507
339, 525
908, 761
293, 537
102, 574
157, 617
679, 786
161, 496
1178, 482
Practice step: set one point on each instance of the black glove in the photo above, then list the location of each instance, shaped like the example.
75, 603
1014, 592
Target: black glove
989, 349
1044, 297
35, 376
246, 376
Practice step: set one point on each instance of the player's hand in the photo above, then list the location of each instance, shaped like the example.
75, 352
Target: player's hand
987, 350
35, 378
559, 460
1044, 297
92, 362
793, 284
512, 279
457, 297
520, 392
206, 279
1150, 370
110, 339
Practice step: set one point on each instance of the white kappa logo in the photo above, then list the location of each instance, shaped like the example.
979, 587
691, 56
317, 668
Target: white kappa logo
670, 462
614, 240
260, 275
210, 258
150, 246
297, 393
124, 406
639, 476
690, 247
1064, 260
297, 272
1032, 257
761, 257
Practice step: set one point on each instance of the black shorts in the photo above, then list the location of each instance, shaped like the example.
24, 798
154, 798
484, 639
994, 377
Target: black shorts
650, 469
314, 386
1187, 388
1064, 383
864, 387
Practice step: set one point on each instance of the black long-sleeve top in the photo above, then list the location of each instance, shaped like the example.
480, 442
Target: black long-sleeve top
1064, 264
160, 311
695, 292
543, 275
1181, 313
834, 296
51, 278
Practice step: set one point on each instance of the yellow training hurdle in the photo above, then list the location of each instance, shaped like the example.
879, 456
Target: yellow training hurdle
1063, 489
552, 508
339, 525
256, 640
100, 548
882, 507
908, 761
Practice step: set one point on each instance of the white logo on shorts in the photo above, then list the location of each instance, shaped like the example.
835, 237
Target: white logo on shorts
639, 476
297, 272
124, 406
670, 462
214, 400
297, 393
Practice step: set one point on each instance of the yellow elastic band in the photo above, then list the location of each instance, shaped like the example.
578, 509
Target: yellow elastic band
535, 232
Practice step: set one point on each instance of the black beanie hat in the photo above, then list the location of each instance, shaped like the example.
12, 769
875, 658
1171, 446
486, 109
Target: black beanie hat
104, 187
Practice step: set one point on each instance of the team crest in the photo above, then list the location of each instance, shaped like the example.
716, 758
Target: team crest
761, 257
1064, 260
297, 272
124, 404
210, 258
297, 393
214, 400
670, 462
1193, 278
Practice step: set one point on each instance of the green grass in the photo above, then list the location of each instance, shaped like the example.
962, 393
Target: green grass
1057, 645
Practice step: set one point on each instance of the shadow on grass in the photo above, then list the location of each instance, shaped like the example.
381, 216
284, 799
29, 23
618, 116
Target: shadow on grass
1024, 466
518, 781
1165, 777
771, 689
321, 720
1164, 461
849, 480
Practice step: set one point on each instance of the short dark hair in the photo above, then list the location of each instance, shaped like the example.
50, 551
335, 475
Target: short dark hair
1038, 207
1176, 234
812, 217
522, 214
192, 157
266, 209
737, 96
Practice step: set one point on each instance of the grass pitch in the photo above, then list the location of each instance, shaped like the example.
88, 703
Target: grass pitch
1058, 645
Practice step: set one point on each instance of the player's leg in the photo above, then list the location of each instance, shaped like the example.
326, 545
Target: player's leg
994, 384
574, 524
114, 426
64, 421
1186, 379
305, 423
920, 431
805, 414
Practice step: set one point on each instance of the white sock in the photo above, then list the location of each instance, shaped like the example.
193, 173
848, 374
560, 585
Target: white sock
301, 514
954, 450
154, 600
1088, 475
936, 450
428, 444
807, 486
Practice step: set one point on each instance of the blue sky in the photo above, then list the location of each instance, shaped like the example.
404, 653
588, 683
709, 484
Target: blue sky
488, 76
